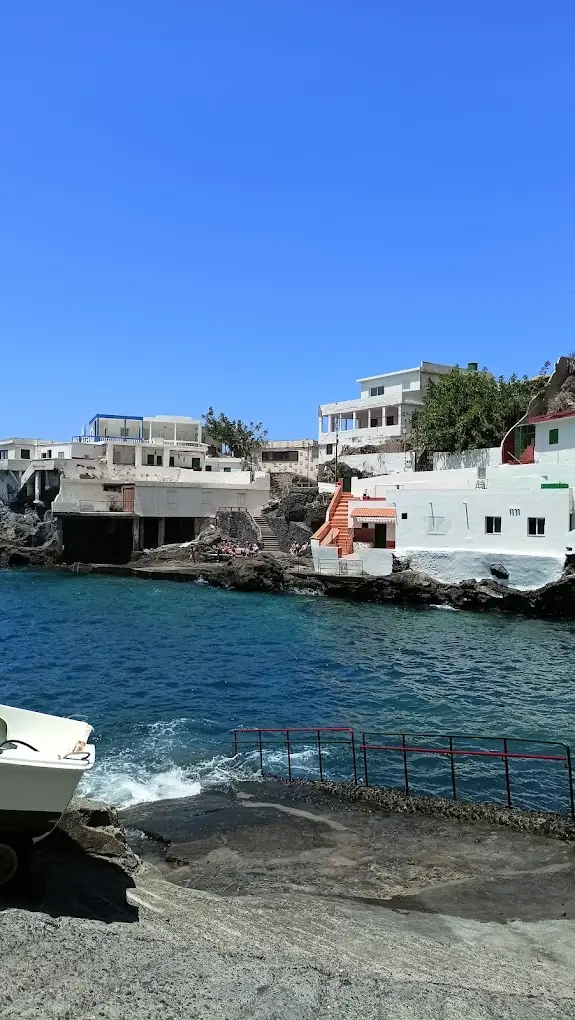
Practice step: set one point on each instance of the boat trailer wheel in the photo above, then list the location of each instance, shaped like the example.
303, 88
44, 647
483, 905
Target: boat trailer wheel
8, 863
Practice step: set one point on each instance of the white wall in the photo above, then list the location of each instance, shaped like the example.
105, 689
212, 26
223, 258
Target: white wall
452, 566
378, 463
488, 457
458, 520
562, 452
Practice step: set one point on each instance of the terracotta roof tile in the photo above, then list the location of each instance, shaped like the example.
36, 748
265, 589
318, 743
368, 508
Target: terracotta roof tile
387, 512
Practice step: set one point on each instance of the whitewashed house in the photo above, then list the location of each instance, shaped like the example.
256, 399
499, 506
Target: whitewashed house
454, 524
382, 411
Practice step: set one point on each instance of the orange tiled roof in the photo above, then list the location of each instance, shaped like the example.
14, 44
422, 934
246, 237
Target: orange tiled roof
374, 511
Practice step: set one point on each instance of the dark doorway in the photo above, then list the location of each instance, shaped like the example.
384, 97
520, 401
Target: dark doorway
347, 483
179, 529
380, 537
96, 539
150, 532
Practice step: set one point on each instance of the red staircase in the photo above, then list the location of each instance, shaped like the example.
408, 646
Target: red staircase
339, 521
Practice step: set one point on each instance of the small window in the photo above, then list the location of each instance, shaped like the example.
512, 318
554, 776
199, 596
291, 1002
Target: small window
404, 517
44, 456
365, 524
493, 525
553, 437
227, 469
390, 420
3, 454
380, 391
112, 488
24, 454
61, 455
124, 432
329, 449
535, 526
150, 459
374, 423
196, 464
208, 467
373, 391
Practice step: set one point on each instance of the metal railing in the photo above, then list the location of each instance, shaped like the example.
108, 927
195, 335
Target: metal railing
273, 737
510, 750
340, 568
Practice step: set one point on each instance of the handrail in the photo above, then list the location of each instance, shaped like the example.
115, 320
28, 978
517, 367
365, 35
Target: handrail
506, 753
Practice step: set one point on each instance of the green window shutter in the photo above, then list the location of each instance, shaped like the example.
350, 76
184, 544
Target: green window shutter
553, 437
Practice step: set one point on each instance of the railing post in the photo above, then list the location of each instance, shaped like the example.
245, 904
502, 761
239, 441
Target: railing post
507, 778
403, 743
353, 756
319, 756
235, 742
453, 786
363, 742
570, 771
288, 755
261, 752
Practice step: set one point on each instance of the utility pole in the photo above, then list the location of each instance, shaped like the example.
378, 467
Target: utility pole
336, 445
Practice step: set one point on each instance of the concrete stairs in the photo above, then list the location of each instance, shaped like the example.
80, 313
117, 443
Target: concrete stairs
269, 540
339, 520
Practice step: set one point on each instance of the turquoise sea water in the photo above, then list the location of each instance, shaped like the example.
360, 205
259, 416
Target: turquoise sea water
164, 672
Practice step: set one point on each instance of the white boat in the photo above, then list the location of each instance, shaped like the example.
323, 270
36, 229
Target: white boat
42, 760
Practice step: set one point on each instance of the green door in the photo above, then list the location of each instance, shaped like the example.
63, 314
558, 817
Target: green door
347, 484
380, 538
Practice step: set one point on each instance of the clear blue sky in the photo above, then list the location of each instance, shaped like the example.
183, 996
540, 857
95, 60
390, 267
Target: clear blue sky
251, 203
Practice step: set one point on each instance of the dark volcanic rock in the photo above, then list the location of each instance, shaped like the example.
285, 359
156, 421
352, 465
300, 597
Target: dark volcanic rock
28, 540
499, 571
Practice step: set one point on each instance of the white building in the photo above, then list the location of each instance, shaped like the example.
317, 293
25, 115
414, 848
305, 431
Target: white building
382, 411
15, 457
134, 482
293, 456
455, 524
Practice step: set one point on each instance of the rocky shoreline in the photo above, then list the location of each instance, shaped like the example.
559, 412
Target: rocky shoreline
281, 575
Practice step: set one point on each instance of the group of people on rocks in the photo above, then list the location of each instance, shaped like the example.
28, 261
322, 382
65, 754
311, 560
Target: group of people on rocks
299, 550
229, 548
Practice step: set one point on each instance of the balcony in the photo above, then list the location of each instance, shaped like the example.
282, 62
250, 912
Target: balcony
154, 441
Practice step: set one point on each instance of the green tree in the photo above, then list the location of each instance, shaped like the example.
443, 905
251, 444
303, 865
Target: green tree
465, 410
241, 439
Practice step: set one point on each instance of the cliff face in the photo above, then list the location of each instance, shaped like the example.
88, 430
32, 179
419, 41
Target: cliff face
28, 540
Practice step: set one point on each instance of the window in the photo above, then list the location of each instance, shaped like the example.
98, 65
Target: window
553, 437
112, 488
227, 469
61, 454
404, 517
270, 455
328, 449
377, 391
374, 423
150, 459
493, 525
365, 524
24, 454
535, 526
3, 454
172, 462
124, 432
159, 460
196, 464
390, 420
208, 467
325, 423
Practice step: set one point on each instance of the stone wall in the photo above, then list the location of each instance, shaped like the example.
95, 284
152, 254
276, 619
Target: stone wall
298, 514
237, 525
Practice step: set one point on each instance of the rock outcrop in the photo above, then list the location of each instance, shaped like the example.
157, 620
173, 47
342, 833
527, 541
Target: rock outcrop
27, 539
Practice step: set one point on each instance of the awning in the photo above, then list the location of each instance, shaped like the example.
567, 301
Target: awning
374, 513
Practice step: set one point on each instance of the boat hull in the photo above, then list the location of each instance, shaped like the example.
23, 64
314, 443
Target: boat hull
33, 798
